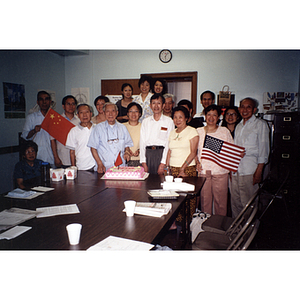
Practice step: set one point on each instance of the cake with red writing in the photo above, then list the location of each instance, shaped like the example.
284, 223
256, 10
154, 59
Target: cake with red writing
129, 173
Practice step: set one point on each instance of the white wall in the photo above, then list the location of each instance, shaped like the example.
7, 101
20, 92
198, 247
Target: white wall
247, 72
37, 70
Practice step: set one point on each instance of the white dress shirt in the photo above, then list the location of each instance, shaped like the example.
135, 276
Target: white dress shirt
155, 133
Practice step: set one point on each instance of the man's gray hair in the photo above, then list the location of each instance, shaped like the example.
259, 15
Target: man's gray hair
110, 103
254, 101
169, 96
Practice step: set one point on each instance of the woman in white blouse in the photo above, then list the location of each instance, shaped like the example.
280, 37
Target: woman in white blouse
143, 99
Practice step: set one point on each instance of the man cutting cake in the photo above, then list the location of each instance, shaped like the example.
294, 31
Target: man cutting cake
108, 139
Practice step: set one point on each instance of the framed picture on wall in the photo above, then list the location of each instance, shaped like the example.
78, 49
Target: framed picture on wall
14, 100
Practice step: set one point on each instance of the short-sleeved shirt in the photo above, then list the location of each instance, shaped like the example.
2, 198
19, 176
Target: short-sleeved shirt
26, 172
77, 140
222, 133
109, 140
62, 151
155, 133
147, 111
179, 144
134, 132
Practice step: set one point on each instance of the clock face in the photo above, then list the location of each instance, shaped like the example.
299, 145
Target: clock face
165, 56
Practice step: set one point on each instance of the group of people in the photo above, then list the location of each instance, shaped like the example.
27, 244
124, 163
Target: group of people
149, 131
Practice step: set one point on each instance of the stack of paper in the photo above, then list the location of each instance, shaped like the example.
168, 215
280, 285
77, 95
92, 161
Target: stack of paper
163, 194
14, 216
21, 194
14, 232
152, 209
117, 243
51, 211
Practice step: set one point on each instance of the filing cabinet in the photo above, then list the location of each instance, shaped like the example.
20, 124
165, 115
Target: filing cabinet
285, 155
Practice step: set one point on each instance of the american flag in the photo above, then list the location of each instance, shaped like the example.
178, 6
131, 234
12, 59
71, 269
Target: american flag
222, 153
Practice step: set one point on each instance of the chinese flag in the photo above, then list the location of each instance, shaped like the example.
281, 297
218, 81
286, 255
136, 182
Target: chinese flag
118, 160
57, 126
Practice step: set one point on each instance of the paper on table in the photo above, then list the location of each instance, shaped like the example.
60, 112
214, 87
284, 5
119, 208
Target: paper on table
14, 232
57, 210
21, 194
117, 243
15, 216
42, 189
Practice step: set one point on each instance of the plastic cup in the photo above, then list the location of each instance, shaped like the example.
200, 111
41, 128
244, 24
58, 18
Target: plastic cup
179, 179
169, 178
74, 231
129, 206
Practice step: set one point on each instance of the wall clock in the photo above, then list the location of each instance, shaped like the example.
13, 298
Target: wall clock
165, 56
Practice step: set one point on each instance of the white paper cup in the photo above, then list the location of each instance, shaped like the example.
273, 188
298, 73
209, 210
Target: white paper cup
74, 231
129, 206
179, 179
169, 178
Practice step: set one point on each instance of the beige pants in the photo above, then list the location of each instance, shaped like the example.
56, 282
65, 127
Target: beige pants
214, 192
242, 189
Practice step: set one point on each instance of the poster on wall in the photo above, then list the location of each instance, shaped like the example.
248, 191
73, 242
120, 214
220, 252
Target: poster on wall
14, 100
82, 95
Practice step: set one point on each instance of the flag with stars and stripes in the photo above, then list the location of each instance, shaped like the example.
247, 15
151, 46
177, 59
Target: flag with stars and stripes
224, 154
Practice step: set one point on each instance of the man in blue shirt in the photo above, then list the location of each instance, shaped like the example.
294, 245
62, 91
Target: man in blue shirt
108, 139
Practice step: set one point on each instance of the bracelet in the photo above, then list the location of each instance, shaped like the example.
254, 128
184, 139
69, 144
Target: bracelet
186, 163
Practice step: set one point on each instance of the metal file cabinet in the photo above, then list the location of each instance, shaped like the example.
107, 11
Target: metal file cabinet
286, 148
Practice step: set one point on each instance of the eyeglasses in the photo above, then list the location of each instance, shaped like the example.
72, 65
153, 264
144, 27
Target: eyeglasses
114, 140
29, 151
71, 104
231, 114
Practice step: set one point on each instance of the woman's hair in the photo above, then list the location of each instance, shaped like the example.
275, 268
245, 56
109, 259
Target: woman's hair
164, 84
137, 105
183, 109
124, 85
146, 78
28, 144
238, 115
186, 102
101, 98
213, 107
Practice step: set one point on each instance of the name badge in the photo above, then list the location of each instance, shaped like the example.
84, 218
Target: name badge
164, 128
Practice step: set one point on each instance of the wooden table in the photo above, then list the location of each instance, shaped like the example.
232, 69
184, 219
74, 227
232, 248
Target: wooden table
100, 203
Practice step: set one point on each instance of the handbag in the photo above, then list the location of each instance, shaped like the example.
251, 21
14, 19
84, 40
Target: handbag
196, 225
224, 96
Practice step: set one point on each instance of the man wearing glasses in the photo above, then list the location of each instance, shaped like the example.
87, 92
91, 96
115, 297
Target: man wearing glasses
60, 152
108, 139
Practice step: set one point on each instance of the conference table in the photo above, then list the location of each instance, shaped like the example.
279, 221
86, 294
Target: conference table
101, 204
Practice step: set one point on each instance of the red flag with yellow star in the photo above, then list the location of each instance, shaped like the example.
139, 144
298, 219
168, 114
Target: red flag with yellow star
57, 126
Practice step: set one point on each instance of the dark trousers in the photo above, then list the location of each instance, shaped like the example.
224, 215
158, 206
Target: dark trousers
153, 159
